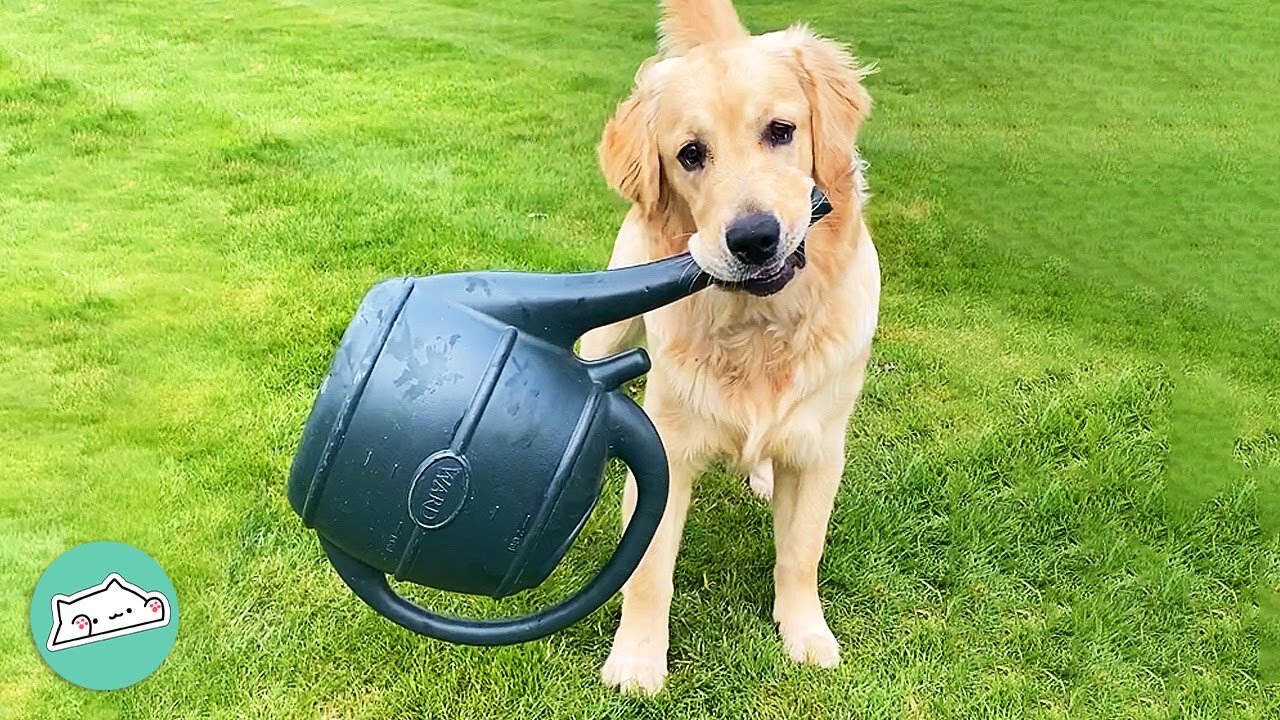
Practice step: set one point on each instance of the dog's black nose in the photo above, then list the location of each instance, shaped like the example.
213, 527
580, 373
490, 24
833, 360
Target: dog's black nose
753, 239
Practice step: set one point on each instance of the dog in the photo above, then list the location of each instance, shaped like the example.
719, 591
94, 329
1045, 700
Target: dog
717, 148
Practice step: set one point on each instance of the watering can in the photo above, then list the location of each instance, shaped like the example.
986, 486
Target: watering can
460, 444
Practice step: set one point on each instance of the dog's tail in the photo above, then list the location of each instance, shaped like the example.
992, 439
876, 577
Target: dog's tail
686, 24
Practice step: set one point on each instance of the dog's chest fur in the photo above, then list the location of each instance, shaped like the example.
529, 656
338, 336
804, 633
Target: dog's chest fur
761, 377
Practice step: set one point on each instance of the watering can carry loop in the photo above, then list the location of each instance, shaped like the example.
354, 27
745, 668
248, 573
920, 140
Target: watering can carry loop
634, 441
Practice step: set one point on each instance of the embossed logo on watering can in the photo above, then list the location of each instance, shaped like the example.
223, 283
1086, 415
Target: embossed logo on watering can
440, 490
104, 615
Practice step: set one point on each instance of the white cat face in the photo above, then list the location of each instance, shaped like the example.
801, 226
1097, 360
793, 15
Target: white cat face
113, 608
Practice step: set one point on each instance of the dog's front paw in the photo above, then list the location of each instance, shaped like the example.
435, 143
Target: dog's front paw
810, 643
634, 669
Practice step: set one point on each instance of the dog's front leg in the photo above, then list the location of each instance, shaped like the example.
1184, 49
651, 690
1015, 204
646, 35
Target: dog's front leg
638, 660
802, 503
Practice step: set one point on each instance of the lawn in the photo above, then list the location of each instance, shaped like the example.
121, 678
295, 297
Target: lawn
1060, 496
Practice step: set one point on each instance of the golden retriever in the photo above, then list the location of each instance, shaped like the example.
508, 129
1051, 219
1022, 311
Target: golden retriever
718, 147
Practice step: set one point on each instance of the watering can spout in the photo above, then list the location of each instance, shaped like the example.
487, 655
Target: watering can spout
561, 308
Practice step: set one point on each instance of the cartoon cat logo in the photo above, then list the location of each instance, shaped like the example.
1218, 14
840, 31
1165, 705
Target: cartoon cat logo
111, 609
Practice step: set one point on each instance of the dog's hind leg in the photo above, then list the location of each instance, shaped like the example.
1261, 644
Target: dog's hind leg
760, 479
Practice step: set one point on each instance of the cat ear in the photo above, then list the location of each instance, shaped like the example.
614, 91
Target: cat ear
113, 580
61, 602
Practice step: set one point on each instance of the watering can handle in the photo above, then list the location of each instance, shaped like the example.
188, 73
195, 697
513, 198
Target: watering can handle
636, 443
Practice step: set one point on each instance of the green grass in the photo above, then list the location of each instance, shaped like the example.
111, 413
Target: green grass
1061, 483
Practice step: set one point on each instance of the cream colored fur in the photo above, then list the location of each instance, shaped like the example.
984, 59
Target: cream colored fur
767, 383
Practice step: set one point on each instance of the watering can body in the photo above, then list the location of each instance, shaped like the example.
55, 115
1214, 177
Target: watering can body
459, 443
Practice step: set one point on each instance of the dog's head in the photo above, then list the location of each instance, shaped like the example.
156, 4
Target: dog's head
729, 132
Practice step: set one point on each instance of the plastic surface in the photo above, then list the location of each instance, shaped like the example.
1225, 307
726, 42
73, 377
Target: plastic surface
459, 443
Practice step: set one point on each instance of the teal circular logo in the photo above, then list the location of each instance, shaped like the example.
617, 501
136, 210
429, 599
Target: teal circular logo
104, 615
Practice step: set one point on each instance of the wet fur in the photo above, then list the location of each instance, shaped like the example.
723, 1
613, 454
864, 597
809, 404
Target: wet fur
766, 383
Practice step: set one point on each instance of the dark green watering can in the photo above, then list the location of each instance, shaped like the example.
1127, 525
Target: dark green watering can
459, 443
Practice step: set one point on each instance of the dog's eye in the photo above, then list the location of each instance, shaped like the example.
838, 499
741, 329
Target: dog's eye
692, 156
779, 132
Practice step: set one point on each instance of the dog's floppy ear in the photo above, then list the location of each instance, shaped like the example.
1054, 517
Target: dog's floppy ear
628, 149
837, 103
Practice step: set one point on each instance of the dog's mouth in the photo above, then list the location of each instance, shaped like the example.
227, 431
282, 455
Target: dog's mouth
772, 280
